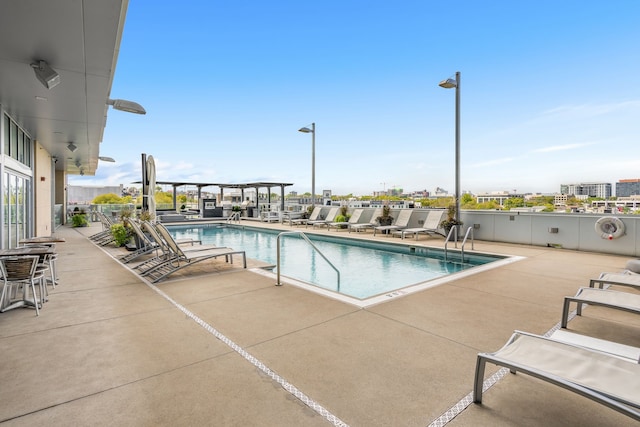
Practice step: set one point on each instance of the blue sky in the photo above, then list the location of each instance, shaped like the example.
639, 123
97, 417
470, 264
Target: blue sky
550, 93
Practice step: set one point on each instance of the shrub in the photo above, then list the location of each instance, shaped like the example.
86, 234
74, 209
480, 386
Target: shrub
341, 218
79, 220
121, 234
145, 215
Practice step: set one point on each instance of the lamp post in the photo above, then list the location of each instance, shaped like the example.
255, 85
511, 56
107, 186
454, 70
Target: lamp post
450, 84
312, 131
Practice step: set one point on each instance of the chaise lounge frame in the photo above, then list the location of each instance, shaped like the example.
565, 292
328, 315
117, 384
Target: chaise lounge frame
601, 297
605, 380
181, 258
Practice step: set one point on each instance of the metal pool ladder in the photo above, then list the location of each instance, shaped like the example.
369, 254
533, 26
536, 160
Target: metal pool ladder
304, 236
235, 216
454, 231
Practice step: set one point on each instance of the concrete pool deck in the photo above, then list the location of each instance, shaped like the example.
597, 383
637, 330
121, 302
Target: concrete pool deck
219, 345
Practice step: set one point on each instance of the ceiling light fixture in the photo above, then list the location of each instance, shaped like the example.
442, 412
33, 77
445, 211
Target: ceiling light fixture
47, 75
72, 147
128, 106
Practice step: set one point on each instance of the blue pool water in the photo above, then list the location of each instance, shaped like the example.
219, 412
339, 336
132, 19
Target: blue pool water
366, 268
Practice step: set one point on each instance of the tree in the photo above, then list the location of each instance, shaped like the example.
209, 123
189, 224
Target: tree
108, 199
513, 202
467, 201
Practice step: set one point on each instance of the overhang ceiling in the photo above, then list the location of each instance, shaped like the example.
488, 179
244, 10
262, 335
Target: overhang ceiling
80, 39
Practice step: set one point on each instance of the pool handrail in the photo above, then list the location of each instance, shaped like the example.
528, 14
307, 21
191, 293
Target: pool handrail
304, 236
454, 231
466, 236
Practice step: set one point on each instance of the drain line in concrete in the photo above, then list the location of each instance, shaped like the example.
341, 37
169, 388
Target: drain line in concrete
293, 390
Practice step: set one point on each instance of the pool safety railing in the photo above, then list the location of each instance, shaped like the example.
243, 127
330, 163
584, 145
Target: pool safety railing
454, 233
304, 236
235, 216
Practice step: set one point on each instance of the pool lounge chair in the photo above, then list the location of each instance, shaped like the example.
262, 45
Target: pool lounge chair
163, 253
355, 217
180, 258
401, 222
146, 245
313, 217
601, 377
622, 351
602, 297
105, 236
373, 222
622, 279
331, 216
430, 226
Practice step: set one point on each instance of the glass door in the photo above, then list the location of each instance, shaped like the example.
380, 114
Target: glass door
15, 206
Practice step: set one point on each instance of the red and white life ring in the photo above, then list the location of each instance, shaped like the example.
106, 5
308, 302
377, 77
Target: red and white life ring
609, 227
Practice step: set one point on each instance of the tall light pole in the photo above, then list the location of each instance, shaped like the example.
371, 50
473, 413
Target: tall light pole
450, 84
312, 131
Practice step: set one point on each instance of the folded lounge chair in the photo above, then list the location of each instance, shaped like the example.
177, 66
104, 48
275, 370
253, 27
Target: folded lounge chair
313, 217
331, 216
430, 226
401, 222
355, 217
373, 222
598, 376
179, 258
602, 297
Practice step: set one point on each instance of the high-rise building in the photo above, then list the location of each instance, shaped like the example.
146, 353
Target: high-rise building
590, 189
628, 187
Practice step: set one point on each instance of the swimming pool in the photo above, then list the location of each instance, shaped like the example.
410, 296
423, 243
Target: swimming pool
366, 268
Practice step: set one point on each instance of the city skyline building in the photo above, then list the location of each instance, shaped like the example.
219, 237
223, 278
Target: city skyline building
590, 189
628, 187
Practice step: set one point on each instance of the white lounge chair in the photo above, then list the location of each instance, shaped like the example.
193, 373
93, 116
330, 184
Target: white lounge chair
146, 244
182, 258
105, 236
163, 252
622, 351
401, 222
353, 219
598, 376
430, 226
602, 297
313, 217
621, 279
331, 216
373, 222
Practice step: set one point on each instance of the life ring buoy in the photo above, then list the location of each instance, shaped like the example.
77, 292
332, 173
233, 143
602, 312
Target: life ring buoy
609, 227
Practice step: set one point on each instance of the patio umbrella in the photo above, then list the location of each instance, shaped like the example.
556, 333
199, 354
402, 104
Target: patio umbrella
151, 188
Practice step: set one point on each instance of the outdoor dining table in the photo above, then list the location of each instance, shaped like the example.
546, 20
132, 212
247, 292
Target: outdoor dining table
41, 240
28, 250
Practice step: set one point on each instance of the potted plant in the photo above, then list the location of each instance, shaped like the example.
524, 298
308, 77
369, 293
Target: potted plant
343, 216
306, 214
385, 218
79, 218
145, 215
451, 220
121, 234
